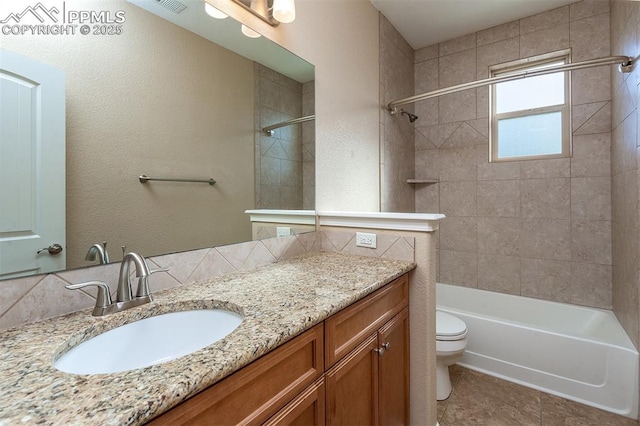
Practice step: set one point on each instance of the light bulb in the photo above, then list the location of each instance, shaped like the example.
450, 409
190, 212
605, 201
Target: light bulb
213, 12
284, 10
249, 32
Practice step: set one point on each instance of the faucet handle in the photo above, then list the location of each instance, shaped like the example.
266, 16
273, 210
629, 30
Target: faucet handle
143, 283
104, 297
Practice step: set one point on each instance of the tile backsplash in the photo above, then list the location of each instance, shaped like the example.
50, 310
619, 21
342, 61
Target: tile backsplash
40, 297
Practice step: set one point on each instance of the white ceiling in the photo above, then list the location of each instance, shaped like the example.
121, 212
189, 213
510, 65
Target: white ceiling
426, 22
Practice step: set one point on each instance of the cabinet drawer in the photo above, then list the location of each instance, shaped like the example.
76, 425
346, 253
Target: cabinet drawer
307, 409
256, 392
348, 328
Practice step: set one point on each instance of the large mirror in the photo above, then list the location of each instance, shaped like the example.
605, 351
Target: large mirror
159, 98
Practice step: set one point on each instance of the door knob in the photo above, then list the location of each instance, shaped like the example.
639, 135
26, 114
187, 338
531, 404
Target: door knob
52, 249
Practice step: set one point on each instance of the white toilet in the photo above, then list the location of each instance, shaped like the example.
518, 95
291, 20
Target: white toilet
451, 340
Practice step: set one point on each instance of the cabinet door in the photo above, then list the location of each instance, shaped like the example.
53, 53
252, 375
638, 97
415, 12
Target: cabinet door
307, 409
352, 387
394, 371
256, 392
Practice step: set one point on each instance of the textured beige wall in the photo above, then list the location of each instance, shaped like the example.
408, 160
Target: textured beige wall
533, 228
156, 100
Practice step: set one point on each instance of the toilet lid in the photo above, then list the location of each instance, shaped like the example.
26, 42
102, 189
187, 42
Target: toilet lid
449, 326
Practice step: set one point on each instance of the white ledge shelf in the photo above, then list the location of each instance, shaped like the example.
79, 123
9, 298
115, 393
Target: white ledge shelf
301, 217
422, 181
419, 222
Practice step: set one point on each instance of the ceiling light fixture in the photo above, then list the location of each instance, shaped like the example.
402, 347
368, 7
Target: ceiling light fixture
284, 11
213, 12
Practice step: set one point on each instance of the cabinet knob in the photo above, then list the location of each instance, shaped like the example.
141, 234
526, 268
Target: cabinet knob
382, 349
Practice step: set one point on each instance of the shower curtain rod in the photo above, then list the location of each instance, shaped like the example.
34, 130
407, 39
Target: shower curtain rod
625, 62
269, 129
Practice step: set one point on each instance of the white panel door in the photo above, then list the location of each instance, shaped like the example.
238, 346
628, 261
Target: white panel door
32, 166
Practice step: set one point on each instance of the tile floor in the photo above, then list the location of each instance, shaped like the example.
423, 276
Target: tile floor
478, 399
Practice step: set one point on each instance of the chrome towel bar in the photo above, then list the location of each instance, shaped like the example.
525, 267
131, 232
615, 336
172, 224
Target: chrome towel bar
145, 179
269, 129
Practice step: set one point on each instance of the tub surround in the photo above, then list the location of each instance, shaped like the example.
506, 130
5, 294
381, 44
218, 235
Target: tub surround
278, 301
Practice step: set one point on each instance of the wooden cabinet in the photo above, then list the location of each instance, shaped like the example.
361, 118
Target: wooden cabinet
307, 409
253, 394
370, 385
350, 370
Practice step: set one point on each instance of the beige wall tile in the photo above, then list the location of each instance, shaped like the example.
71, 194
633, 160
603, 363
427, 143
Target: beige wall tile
457, 68
498, 235
460, 106
591, 198
591, 285
495, 171
482, 102
458, 198
499, 198
426, 76
48, 299
624, 145
459, 233
212, 265
591, 155
437, 134
427, 198
626, 291
625, 199
591, 241
499, 273
465, 135
426, 53
590, 38
546, 239
459, 44
547, 40
590, 85
498, 33
545, 198
541, 169
591, 118
14, 290
181, 265
458, 164
427, 164
459, 267
496, 53
546, 279
544, 20
586, 8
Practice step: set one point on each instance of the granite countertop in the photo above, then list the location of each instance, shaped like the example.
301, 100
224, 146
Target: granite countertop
278, 301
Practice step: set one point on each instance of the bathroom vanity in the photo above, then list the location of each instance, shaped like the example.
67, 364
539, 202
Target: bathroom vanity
353, 367
317, 331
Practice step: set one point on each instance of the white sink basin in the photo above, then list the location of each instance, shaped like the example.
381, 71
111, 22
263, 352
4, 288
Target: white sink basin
149, 341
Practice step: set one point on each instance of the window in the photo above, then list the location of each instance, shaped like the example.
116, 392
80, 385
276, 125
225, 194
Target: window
530, 117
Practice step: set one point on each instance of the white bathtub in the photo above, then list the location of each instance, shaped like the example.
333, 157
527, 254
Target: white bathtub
578, 353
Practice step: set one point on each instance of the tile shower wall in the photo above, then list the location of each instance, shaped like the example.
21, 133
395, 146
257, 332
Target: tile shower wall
533, 228
308, 147
279, 158
397, 151
625, 33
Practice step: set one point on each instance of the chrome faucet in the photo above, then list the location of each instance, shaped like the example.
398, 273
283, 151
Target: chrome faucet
124, 293
98, 251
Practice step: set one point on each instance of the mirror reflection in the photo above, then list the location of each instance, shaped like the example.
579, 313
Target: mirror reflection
163, 101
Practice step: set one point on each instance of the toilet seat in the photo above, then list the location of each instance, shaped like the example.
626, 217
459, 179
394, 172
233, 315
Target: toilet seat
448, 327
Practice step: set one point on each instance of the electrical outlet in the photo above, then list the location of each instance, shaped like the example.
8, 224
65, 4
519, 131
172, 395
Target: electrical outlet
365, 240
283, 231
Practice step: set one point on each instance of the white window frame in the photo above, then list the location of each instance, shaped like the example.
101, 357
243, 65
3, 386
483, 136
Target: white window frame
565, 108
